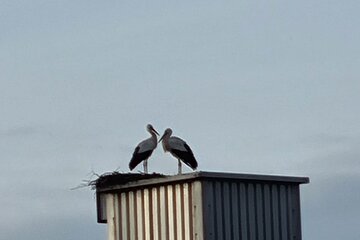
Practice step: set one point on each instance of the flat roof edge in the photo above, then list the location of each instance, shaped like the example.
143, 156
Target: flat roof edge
255, 177
206, 175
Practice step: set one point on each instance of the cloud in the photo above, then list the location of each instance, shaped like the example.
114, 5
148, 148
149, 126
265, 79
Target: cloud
20, 131
71, 227
330, 208
330, 201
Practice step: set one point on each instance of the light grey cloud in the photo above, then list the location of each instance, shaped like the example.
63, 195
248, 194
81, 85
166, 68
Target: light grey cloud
20, 131
81, 227
331, 204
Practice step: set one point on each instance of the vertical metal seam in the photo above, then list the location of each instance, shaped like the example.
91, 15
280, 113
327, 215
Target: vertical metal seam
115, 216
222, 200
240, 211
143, 212
256, 213
191, 223
232, 227
279, 211
167, 223
120, 214
271, 211
127, 215
298, 213
215, 212
291, 212
158, 212
136, 216
151, 220
247, 209
287, 213
182, 205
263, 207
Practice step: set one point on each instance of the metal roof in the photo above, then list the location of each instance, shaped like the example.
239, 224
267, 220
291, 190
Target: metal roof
218, 176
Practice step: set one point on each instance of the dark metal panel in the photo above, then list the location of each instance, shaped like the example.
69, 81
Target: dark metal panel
101, 208
275, 212
267, 211
296, 212
251, 224
218, 211
235, 212
243, 211
209, 210
290, 210
283, 212
259, 211
248, 211
226, 201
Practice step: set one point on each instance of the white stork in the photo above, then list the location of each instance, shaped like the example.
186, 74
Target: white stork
179, 149
144, 149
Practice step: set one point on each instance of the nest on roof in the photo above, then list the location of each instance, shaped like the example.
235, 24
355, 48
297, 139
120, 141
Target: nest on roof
117, 178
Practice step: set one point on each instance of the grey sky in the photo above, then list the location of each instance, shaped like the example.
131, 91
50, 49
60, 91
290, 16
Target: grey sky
266, 87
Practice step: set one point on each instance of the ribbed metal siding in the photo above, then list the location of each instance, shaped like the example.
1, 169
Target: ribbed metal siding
251, 211
170, 212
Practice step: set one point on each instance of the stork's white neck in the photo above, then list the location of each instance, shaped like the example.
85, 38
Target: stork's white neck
165, 142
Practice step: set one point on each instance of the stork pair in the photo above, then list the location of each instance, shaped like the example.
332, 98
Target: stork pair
176, 146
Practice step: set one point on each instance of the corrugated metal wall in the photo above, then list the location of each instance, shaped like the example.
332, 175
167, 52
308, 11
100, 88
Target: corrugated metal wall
251, 211
170, 212
206, 209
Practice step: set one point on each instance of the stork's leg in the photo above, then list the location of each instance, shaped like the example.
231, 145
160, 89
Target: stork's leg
145, 166
179, 167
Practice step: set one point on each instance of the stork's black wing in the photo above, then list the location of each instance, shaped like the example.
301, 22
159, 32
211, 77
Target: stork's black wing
138, 157
186, 156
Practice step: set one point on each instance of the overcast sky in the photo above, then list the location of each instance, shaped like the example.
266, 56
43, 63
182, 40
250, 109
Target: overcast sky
270, 87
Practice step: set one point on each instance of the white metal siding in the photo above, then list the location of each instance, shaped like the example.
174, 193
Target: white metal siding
172, 212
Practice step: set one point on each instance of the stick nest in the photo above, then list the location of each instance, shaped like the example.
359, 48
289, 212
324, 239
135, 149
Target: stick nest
117, 178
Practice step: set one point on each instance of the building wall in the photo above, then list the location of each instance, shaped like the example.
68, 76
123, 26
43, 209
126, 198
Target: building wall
208, 206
